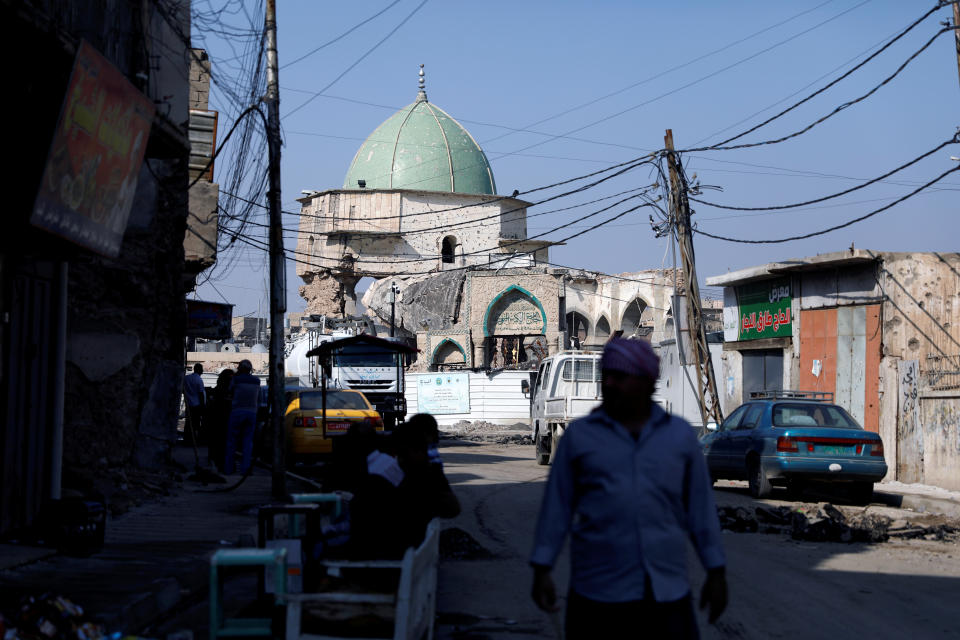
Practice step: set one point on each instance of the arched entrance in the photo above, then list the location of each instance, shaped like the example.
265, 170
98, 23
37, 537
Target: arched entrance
602, 329
578, 328
514, 328
448, 355
637, 319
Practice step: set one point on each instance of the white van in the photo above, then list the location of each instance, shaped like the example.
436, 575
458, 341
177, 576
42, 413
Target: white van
567, 387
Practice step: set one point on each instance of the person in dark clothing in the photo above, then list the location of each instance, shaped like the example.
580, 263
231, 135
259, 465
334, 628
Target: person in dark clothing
245, 392
218, 415
195, 398
396, 499
425, 492
427, 424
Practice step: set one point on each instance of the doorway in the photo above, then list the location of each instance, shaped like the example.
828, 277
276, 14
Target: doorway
762, 371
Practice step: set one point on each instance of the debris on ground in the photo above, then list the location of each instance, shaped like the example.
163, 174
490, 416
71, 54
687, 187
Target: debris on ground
827, 523
482, 431
457, 544
50, 617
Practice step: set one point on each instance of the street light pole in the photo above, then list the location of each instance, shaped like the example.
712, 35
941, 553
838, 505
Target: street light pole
393, 303
278, 295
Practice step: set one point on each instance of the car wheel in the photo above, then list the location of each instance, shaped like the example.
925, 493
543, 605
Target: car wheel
862, 492
759, 483
543, 457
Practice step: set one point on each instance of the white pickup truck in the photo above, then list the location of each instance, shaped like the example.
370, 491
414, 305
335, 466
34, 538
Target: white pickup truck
567, 386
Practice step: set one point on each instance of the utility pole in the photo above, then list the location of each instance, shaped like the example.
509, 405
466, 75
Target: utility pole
680, 209
956, 30
278, 293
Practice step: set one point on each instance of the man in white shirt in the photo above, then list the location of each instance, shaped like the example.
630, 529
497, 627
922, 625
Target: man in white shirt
630, 486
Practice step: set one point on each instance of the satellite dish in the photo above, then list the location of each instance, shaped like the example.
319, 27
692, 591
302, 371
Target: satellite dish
229, 348
258, 348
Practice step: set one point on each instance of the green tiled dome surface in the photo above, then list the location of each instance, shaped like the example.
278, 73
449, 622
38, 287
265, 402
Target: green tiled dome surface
421, 147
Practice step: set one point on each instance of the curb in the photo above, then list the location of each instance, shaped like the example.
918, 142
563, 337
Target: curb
920, 504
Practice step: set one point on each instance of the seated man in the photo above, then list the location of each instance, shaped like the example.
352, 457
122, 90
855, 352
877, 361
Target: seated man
396, 499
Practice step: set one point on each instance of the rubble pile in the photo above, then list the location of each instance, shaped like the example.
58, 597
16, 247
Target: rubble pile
827, 523
49, 617
481, 431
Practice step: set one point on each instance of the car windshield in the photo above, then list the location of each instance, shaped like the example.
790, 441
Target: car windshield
364, 355
313, 400
812, 415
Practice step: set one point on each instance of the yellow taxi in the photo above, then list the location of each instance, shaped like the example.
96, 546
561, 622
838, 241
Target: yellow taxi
304, 420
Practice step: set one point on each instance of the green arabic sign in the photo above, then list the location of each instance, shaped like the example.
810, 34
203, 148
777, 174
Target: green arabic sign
764, 310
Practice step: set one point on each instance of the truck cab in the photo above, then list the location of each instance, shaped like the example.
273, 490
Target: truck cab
566, 387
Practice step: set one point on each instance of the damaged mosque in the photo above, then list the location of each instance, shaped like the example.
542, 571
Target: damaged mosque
419, 210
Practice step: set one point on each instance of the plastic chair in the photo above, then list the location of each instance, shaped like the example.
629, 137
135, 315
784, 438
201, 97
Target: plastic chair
275, 559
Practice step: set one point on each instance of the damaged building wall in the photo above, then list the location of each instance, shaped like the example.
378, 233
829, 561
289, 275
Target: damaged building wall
513, 315
381, 225
380, 233
424, 303
921, 323
106, 333
328, 294
638, 303
126, 326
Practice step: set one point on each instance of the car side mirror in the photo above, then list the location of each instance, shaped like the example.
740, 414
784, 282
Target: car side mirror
525, 387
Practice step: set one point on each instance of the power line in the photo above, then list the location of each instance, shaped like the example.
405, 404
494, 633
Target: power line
287, 252
835, 227
657, 75
430, 258
953, 140
722, 146
297, 230
800, 90
688, 84
342, 35
358, 61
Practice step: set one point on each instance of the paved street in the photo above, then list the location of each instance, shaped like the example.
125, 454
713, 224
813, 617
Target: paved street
779, 588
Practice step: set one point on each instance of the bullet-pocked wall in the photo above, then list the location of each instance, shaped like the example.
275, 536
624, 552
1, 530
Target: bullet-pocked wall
345, 235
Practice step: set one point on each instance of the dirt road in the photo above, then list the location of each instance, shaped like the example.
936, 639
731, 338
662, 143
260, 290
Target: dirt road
779, 588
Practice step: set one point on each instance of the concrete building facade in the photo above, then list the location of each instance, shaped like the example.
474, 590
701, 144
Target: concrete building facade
92, 264
880, 330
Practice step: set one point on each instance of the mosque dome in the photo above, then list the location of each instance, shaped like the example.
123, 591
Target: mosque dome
421, 147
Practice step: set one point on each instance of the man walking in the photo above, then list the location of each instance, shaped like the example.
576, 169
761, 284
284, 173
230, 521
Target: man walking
245, 389
194, 397
630, 484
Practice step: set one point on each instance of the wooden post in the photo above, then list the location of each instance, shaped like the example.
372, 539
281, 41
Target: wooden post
680, 210
956, 30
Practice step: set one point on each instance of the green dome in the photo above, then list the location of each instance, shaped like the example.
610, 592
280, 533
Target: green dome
421, 147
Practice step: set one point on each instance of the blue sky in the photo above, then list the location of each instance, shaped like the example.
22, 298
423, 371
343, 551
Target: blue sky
702, 69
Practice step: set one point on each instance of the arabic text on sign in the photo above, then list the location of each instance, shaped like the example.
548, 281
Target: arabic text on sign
764, 320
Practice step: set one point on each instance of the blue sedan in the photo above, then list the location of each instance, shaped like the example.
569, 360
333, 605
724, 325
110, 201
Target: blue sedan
788, 440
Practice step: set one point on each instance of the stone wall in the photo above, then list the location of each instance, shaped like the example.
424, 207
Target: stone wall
613, 298
402, 231
921, 321
199, 80
126, 322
